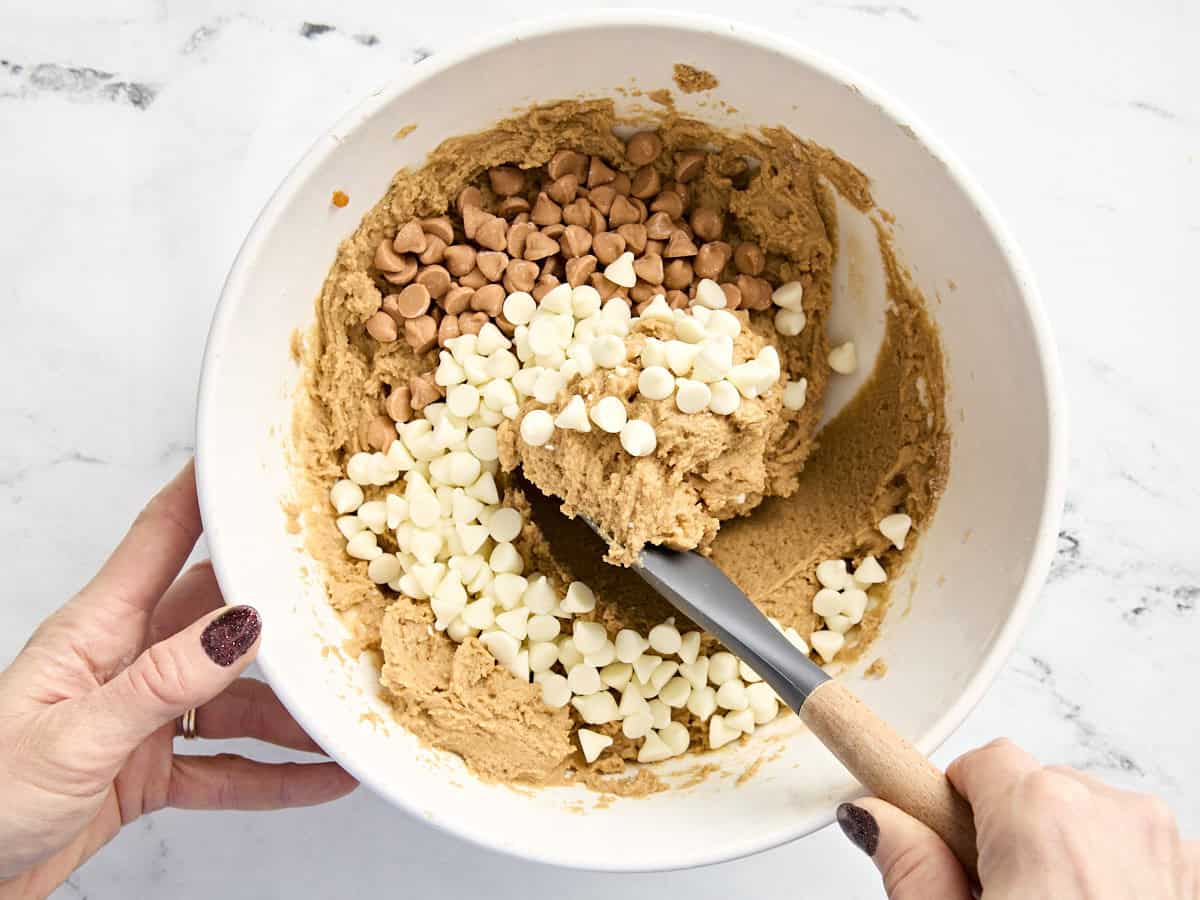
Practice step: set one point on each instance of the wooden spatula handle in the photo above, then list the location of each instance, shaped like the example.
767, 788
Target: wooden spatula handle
890, 767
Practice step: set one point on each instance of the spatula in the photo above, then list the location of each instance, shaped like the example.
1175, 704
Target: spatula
881, 759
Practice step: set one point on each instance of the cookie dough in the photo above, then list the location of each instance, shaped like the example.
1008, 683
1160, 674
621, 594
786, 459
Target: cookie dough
786, 498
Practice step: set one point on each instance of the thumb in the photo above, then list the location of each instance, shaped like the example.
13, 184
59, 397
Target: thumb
183, 671
915, 863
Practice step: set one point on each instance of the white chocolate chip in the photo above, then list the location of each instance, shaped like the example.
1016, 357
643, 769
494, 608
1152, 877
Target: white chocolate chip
463, 400
895, 528
827, 643
384, 568
620, 270
597, 709
658, 309
547, 386
869, 571
719, 733
630, 645
709, 294
763, 702
609, 414
584, 679
675, 692
789, 322
585, 301
346, 496
843, 359
589, 636
747, 674
722, 668
579, 598
691, 396
653, 749
732, 695
568, 655
503, 646
827, 602
616, 675
482, 443
654, 353
789, 295
714, 360
665, 639
656, 383
542, 655
742, 720
349, 526
689, 329
725, 399
363, 546
637, 725
505, 524
661, 713
537, 427
832, 574
505, 558
574, 416
608, 351
702, 702
689, 647
592, 744
680, 356
374, 515
638, 438
795, 394
644, 666
557, 299
555, 692
675, 736
519, 307
542, 628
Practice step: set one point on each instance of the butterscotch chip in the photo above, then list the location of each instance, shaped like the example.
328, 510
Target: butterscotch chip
596, 222
421, 334
520, 218
689, 164
643, 292
635, 236
439, 226
607, 246
506, 180
579, 270
599, 173
435, 250
388, 260
733, 296
646, 183
539, 246
511, 207
423, 390
391, 306
568, 161
468, 197
649, 268
473, 217
473, 279
668, 202
459, 259
578, 212
551, 265
472, 322
749, 258
643, 148
520, 275
655, 246
678, 274
447, 330
492, 234
545, 285
563, 190
457, 299
399, 403
410, 238
659, 226
684, 192
576, 241
622, 213
678, 300
491, 263
603, 198
506, 326
711, 259
680, 244
436, 279
606, 289
640, 306
403, 277
756, 293
621, 184
380, 433
707, 223
382, 327
517, 233
413, 301
554, 231
488, 299
545, 211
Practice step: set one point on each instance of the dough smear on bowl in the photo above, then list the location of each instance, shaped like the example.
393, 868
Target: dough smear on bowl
635, 318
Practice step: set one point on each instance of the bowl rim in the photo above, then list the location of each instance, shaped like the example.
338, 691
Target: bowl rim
1054, 490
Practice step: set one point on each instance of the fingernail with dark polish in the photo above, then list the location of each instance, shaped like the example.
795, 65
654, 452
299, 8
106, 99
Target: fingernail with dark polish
231, 634
860, 826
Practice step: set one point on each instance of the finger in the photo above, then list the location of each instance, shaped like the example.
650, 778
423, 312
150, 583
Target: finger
248, 708
154, 550
1092, 783
989, 771
194, 594
234, 782
185, 670
914, 862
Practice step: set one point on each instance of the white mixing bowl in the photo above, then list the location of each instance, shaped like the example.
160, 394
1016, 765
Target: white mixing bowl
979, 566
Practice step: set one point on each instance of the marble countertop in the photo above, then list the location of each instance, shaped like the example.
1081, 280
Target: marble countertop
142, 136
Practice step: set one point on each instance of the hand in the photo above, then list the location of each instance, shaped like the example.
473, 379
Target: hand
89, 708
1043, 832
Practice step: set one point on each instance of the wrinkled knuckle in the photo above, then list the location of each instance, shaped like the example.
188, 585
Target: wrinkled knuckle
1048, 790
905, 872
162, 675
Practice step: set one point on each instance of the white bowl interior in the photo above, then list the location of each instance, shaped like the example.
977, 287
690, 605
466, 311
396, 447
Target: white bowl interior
977, 569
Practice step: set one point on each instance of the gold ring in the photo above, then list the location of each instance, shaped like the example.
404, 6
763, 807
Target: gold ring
187, 725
